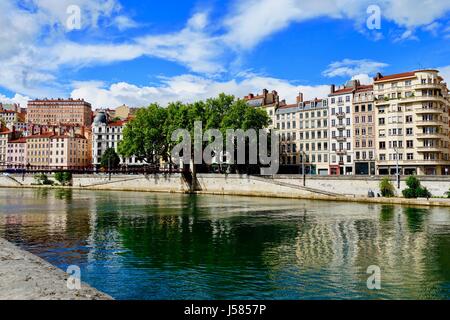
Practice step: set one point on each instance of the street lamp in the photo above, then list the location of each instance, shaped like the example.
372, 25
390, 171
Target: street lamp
303, 167
398, 171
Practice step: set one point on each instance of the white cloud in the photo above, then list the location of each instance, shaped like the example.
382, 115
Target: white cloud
406, 35
189, 88
445, 73
22, 100
350, 68
364, 79
251, 21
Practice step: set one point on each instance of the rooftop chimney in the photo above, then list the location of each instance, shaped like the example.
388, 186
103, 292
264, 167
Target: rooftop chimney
333, 88
299, 97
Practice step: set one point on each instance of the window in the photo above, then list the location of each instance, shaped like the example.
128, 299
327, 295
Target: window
382, 145
381, 121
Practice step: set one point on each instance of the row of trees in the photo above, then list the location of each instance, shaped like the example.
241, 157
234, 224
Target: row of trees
148, 137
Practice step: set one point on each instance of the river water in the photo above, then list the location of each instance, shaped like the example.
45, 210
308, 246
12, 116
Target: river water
173, 246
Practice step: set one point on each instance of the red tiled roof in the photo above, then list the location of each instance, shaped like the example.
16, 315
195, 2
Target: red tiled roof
396, 76
254, 97
364, 88
4, 130
20, 140
342, 91
118, 123
52, 135
40, 135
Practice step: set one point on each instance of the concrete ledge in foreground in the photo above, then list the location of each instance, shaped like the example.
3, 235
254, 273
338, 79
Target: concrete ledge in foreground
24, 276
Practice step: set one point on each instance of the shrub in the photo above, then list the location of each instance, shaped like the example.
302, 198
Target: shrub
448, 193
387, 189
42, 179
415, 190
423, 192
63, 178
409, 193
413, 183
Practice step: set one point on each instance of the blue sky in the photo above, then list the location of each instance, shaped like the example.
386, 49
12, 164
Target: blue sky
139, 52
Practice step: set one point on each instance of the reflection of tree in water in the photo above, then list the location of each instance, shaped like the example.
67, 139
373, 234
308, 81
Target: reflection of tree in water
415, 218
387, 213
194, 237
64, 194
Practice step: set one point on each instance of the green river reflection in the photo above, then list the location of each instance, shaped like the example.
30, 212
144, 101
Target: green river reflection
173, 246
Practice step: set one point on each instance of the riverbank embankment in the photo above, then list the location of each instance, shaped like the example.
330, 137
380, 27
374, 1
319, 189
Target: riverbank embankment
330, 188
24, 276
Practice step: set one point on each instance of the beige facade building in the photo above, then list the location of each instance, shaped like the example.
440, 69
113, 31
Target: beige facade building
364, 130
59, 112
269, 101
5, 135
58, 150
412, 119
313, 133
124, 112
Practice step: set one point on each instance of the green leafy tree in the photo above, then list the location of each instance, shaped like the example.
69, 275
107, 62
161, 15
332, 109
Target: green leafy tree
110, 159
415, 189
143, 137
387, 189
448, 193
64, 178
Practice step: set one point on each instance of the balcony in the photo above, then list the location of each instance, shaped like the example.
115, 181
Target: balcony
423, 99
422, 110
422, 123
340, 115
341, 152
423, 149
431, 135
340, 138
341, 126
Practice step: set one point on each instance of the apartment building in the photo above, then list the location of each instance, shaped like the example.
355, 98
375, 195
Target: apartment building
364, 130
17, 153
124, 112
59, 112
58, 150
9, 116
313, 133
412, 118
5, 135
269, 101
340, 102
286, 123
106, 134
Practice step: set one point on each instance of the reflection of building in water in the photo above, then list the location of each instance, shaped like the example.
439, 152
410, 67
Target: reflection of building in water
352, 244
